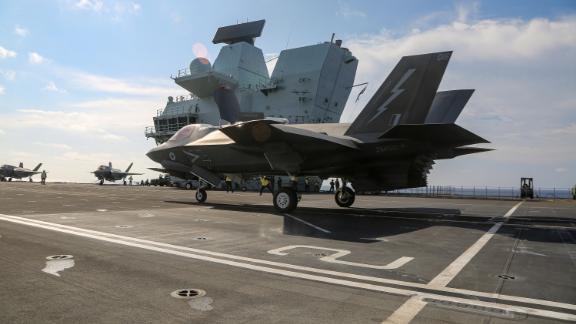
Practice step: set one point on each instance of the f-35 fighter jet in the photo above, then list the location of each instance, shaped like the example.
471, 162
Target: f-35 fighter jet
9, 172
106, 172
392, 144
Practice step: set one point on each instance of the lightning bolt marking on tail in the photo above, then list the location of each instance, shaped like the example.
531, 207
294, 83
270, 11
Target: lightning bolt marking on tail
396, 91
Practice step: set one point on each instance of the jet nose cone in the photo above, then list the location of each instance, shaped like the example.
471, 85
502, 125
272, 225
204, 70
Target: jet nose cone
155, 154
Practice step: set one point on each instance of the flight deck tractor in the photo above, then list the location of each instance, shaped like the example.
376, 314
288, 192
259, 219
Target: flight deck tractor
526, 188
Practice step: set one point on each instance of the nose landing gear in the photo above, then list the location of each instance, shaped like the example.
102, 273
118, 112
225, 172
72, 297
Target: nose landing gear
201, 195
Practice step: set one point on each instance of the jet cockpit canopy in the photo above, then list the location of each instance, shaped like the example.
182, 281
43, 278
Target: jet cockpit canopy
190, 133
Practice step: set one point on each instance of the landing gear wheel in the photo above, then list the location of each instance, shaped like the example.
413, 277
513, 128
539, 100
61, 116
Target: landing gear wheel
201, 195
285, 200
188, 186
345, 197
101, 182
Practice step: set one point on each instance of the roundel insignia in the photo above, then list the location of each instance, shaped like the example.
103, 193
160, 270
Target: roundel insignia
172, 156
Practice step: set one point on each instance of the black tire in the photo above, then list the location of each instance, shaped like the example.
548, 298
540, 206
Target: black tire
188, 186
285, 200
101, 182
201, 195
345, 197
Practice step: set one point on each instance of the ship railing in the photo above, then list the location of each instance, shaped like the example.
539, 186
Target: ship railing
187, 97
185, 72
163, 130
176, 112
181, 73
483, 192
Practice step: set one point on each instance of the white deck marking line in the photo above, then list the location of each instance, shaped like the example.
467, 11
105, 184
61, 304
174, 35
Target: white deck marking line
444, 278
406, 312
473, 293
309, 224
299, 275
448, 274
333, 258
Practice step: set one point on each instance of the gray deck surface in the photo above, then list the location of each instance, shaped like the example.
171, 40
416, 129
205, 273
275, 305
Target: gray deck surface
395, 259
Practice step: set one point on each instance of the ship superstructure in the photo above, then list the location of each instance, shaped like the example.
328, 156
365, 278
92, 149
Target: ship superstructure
309, 84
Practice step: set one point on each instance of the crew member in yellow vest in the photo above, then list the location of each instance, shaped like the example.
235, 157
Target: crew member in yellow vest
265, 183
229, 186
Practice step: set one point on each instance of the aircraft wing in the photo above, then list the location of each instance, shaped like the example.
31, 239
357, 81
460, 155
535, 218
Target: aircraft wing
285, 147
262, 132
161, 170
131, 173
441, 134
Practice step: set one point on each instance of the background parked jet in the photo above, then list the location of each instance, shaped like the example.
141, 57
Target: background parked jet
106, 172
12, 172
392, 144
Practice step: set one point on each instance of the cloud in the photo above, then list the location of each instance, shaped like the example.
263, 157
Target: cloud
116, 10
21, 31
35, 58
465, 9
2, 90
6, 53
57, 146
73, 122
523, 72
90, 5
90, 157
486, 40
114, 103
23, 155
8, 75
51, 86
345, 10
2, 132
102, 83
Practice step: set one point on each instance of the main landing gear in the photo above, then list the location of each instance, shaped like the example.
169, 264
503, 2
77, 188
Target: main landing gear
285, 200
101, 181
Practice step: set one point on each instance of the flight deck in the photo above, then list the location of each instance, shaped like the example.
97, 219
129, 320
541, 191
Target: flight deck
83, 253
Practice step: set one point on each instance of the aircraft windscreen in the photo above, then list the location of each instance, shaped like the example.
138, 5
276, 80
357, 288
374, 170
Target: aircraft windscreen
191, 133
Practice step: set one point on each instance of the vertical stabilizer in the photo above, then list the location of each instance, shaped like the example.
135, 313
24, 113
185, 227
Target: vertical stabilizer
21, 165
447, 106
405, 96
128, 169
227, 103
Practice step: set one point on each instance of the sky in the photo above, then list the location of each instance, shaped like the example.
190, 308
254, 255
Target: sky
81, 79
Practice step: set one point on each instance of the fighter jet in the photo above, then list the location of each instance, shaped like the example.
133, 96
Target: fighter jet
11, 172
392, 144
106, 172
